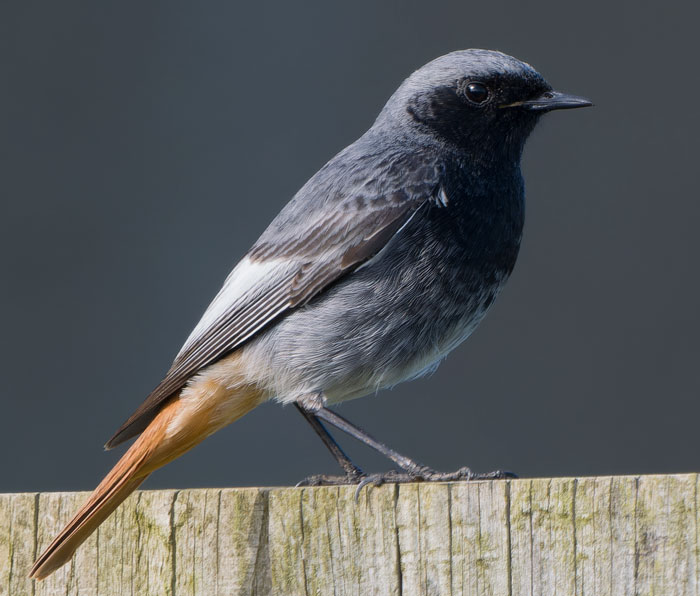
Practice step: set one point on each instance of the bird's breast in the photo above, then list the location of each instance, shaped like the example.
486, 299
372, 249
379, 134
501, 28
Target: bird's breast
399, 315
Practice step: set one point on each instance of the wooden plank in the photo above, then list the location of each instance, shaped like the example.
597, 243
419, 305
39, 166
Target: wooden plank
243, 547
350, 544
666, 537
17, 542
219, 539
80, 575
288, 558
589, 536
480, 546
593, 537
623, 499
423, 521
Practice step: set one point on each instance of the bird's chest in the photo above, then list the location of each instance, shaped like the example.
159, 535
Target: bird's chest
446, 269
470, 240
483, 218
461, 259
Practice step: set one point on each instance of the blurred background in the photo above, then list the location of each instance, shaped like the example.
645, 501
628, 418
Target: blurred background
144, 146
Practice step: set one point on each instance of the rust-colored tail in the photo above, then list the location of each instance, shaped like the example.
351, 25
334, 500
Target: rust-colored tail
185, 421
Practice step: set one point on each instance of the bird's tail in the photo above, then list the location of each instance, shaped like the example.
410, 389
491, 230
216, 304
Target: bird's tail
197, 412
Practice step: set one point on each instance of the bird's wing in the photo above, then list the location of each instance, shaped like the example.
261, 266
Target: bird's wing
312, 243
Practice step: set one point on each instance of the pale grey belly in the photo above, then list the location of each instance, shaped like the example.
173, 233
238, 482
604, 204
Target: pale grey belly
369, 333
421, 363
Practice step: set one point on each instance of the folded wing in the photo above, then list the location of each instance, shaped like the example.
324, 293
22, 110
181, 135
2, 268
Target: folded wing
320, 236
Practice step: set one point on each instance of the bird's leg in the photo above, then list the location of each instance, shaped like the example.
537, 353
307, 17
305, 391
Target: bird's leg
411, 467
413, 471
353, 474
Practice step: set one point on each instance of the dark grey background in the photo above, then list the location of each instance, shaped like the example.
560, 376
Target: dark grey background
144, 147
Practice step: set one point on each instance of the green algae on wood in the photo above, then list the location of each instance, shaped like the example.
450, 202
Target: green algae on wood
585, 536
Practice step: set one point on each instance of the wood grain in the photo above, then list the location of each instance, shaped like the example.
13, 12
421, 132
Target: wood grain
568, 536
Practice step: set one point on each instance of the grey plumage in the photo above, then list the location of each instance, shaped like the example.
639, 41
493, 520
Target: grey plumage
392, 253
381, 264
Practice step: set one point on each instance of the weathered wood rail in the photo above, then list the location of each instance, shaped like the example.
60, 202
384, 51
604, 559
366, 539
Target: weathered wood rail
584, 536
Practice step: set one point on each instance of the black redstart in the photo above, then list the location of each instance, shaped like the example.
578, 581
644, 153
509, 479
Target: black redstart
384, 261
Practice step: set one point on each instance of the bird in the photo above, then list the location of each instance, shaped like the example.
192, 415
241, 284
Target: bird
381, 264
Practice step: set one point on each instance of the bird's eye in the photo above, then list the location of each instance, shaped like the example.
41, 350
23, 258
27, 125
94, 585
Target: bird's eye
476, 92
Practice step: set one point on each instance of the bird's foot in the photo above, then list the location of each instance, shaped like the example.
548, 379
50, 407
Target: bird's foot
465, 474
425, 474
330, 480
419, 474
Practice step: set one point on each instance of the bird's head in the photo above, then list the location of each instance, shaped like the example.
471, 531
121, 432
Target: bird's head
480, 100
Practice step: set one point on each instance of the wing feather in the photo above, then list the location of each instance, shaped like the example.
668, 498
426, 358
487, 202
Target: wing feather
318, 238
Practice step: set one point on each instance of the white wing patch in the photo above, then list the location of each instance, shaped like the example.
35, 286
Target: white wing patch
247, 279
442, 197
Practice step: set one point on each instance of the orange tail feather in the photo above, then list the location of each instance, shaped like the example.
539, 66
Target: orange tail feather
180, 425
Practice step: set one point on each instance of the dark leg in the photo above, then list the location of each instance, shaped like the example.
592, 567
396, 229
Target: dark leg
348, 427
352, 472
413, 470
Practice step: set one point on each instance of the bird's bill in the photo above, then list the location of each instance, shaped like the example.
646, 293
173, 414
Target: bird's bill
552, 100
555, 100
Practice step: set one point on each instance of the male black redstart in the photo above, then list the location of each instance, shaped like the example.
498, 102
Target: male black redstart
385, 260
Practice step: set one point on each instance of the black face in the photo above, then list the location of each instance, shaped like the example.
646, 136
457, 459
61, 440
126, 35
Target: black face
482, 113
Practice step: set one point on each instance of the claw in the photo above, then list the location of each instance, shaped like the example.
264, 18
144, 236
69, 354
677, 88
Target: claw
364, 482
375, 480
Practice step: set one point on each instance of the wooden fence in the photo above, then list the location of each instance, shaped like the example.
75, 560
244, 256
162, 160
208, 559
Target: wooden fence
562, 536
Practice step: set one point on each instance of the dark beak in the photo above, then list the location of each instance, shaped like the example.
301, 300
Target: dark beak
553, 100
